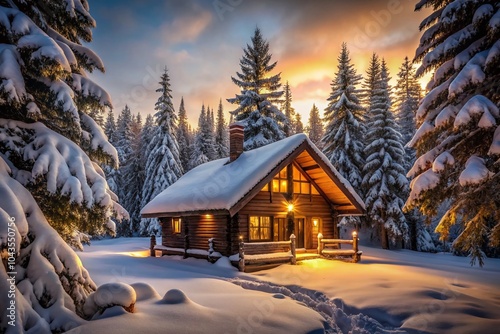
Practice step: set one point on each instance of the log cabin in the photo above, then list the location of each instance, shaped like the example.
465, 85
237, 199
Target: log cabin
261, 196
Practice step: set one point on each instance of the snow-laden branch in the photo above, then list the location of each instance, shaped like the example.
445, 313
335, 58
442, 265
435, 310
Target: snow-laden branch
49, 274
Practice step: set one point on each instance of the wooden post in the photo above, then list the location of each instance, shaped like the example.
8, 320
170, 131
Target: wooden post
152, 244
355, 246
292, 249
320, 244
210, 249
241, 251
186, 246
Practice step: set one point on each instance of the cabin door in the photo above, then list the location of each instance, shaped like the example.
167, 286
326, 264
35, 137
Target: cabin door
299, 232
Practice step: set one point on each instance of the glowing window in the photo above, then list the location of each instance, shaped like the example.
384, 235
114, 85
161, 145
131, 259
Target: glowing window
176, 225
260, 228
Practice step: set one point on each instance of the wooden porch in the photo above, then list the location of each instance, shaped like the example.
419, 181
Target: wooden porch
254, 256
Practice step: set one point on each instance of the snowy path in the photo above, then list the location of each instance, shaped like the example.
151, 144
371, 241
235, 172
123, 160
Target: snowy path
402, 290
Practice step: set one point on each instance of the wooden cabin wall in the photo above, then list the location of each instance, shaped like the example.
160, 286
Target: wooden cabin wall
305, 206
199, 229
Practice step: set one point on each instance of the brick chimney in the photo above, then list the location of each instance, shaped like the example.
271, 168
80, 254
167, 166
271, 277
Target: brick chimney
236, 138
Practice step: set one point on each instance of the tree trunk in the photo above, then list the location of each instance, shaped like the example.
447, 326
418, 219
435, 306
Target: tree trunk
384, 239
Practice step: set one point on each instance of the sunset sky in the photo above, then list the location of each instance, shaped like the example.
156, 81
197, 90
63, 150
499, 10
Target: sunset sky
201, 43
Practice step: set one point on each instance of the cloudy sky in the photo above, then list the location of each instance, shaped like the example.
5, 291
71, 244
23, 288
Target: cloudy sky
202, 41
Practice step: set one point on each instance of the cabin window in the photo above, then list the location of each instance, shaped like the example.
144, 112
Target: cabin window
176, 225
301, 185
280, 182
260, 228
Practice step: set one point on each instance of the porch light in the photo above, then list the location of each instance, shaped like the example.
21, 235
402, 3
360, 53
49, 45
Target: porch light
315, 222
290, 207
354, 234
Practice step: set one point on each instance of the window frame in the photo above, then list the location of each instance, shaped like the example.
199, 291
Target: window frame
259, 228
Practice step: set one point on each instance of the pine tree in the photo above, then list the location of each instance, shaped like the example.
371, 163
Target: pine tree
184, 137
315, 129
221, 134
458, 137
110, 171
384, 178
148, 132
370, 82
123, 145
343, 139
203, 147
298, 126
407, 96
132, 173
163, 166
259, 93
290, 124
110, 125
50, 153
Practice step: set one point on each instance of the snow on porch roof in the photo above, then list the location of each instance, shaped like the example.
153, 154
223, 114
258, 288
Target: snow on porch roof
220, 186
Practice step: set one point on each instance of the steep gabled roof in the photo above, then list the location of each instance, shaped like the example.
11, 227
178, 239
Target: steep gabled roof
226, 187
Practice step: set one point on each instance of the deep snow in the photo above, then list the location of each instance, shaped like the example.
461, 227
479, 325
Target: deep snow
388, 291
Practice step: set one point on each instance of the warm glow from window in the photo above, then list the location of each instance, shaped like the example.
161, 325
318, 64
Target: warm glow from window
176, 225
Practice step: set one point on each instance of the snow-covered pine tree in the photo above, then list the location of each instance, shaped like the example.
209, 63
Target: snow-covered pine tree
289, 111
123, 144
407, 95
111, 172
369, 83
110, 126
221, 134
384, 181
203, 149
147, 134
50, 152
343, 139
315, 128
458, 139
297, 124
132, 173
163, 166
260, 93
184, 137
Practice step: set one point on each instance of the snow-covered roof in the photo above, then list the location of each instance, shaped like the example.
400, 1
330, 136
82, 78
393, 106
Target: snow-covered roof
220, 185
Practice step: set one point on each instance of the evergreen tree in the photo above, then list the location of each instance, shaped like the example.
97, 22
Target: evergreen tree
110, 126
298, 126
163, 166
221, 134
110, 171
384, 180
184, 137
203, 147
123, 145
343, 139
370, 82
290, 124
50, 153
458, 137
407, 96
315, 129
132, 173
259, 92
148, 132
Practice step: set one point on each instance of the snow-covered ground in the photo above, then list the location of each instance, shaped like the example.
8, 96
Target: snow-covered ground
387, 292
